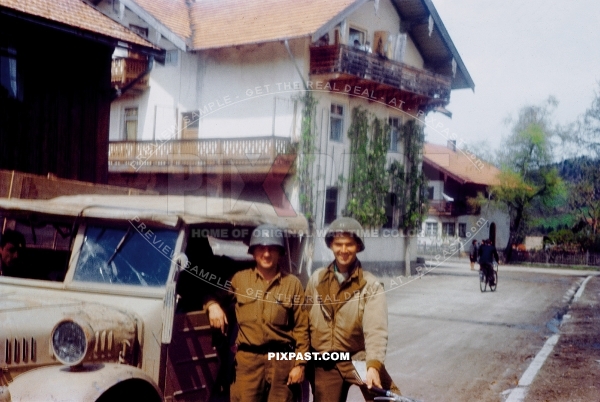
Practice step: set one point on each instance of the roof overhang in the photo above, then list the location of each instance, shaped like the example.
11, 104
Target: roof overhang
337, 19
148, 49
437, 48
433, 165
166, 33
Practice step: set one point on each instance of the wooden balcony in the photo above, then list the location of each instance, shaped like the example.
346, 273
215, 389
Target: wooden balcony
126, 70
349, 68
440, 208
452, 208
214, 155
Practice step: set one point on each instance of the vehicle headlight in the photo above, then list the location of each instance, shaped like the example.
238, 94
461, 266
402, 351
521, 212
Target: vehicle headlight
71, 342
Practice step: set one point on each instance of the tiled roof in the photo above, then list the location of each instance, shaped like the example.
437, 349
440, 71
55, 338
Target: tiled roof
173, 14
462, 166
78, 14
223, 23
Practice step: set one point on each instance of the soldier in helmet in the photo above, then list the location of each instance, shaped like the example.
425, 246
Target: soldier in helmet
347, 313
271, 324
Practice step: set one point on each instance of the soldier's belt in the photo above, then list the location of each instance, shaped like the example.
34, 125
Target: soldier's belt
266, 348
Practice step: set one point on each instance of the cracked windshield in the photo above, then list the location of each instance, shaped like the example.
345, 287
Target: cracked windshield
124, 256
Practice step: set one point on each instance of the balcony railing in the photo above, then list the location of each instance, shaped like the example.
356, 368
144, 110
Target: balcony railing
452, 208
358, 64
125, 70
440, 207
252, 155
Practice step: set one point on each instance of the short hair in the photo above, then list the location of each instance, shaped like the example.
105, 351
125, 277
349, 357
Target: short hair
474, 241
13, 237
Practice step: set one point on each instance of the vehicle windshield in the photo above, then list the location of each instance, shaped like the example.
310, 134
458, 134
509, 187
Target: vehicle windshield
126, 256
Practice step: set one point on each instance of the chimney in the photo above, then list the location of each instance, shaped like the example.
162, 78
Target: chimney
452, 145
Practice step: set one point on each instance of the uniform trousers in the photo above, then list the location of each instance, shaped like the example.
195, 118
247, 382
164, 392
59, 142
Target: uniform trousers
258, 379
331, 381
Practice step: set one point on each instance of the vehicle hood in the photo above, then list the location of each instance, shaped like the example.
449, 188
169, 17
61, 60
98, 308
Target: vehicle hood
26, 326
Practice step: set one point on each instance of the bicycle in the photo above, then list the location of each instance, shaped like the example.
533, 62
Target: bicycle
484, 282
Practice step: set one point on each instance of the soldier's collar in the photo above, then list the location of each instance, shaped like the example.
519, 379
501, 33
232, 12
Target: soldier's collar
351, 270
259, 275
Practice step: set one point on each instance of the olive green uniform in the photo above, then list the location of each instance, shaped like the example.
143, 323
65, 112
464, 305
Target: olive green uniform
270, 319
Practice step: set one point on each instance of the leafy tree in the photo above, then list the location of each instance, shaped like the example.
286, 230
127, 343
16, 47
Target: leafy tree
581, 140
584, 199
584, 136
526, 175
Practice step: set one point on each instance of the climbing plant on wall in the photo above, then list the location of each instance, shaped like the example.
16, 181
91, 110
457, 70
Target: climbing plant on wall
368, 182
306, 154
408, 182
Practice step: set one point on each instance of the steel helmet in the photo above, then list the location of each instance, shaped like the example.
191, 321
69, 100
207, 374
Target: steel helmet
345, 225
267, 235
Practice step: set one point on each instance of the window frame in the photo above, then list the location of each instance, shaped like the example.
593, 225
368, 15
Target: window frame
428, 232
333, 115
331, 205
462, 229
127, 119
362, 35
395, 133
10, 57
190, 130
445, 229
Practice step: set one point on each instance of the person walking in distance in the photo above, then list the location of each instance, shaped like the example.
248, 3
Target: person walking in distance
347, 313
473, 254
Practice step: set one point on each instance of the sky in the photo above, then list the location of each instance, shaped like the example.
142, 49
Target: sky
519, 52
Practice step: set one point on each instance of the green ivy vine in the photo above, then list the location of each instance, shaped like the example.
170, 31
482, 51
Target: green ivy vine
408, 182
368, 182
306, 154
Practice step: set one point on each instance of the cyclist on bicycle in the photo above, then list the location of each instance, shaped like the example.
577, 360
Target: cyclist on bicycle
487, 255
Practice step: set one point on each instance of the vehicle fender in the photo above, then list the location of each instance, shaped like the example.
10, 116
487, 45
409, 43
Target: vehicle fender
62, 383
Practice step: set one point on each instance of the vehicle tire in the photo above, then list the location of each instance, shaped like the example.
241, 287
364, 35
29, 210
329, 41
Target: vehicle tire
482, 281
495, 276
130, 390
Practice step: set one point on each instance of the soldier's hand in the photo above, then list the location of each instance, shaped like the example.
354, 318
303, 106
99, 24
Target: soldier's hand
373, 378
296, 375
217, 317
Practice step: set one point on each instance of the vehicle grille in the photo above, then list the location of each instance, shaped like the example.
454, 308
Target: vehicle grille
104, 344
18, 351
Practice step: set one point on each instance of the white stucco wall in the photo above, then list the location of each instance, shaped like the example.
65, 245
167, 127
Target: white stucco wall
492, 214
250, 91
384, 252
477, 227
172, 90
